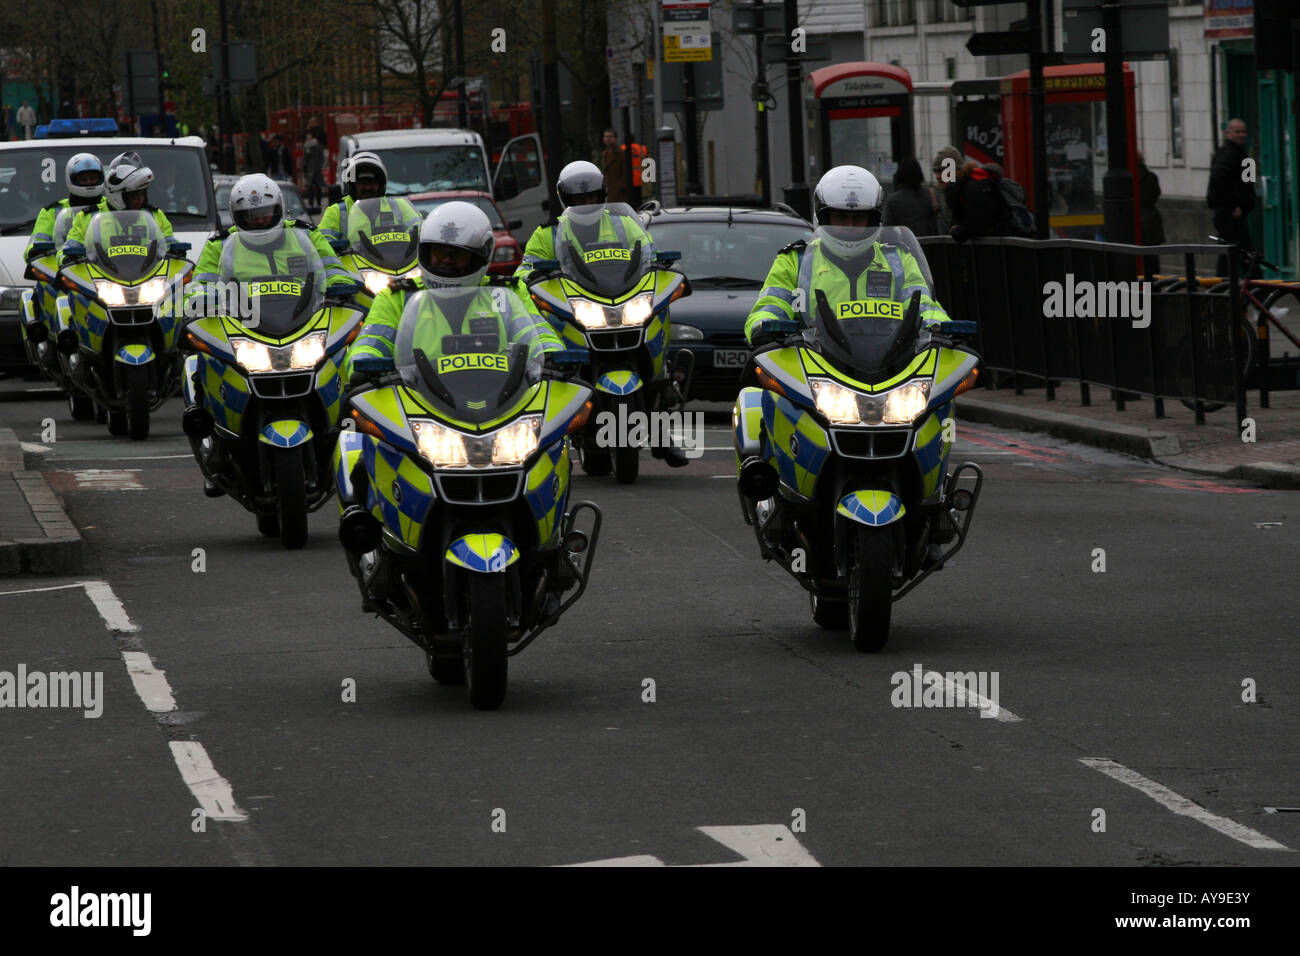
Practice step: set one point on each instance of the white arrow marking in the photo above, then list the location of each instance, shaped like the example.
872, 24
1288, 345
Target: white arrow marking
760, 845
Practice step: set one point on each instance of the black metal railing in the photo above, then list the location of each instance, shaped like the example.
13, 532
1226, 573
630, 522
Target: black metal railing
1196, 346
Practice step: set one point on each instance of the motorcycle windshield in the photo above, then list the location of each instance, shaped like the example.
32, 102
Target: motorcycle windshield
279, 278
63, 223
464, 350
866, 326
385, 232
125, 245
604, 248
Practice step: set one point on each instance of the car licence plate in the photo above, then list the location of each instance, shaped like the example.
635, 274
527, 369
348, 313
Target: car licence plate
730, 358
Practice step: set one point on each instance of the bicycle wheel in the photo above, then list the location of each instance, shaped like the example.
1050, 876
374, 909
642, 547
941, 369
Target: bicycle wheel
1284, 306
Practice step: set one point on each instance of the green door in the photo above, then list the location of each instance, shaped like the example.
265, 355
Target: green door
1242, 93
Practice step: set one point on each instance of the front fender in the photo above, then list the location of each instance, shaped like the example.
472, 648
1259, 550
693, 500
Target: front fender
619, 382
347, 452
285, 433
188, 378
484, 553
134, 355
873, 508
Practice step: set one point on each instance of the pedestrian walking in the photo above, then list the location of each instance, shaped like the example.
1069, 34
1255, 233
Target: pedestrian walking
613, 163
27, 120
313, 168
912, 203
1229, 194
946, 164
1153, 226
280, 164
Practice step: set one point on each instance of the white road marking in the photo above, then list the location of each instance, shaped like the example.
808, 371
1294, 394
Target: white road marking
623, 861
987, 708
105, 458
210, 788
149, 683
109, 607
762, 845
57, 587
1181, 805
105, 479
32, 447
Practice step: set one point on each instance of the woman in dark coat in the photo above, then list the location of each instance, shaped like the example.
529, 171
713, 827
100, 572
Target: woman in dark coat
1153, 227
912, 203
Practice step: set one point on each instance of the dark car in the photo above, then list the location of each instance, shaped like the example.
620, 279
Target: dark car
508, 253
726, 253
293, 205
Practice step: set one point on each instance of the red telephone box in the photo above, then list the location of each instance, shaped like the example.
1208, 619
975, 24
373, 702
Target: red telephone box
1074, 113
859, 114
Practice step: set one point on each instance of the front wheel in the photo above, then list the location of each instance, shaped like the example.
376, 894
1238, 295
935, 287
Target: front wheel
137, 402
485, 656
870, 571
627, 464
291, 485
80, 407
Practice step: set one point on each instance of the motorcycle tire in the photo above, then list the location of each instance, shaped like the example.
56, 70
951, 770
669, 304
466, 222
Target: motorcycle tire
447, 670
268, 525
831, 615
485, 658
137, 402
80, 407
117, 424
627, 464
598, 464
869, 603
291, 486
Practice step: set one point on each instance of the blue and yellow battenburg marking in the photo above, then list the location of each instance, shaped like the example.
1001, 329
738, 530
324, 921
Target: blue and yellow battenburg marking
134, 354
285, 433
619, 382
400, 493
487, 553
874, 508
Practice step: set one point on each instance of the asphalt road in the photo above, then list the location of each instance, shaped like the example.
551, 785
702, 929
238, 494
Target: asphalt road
1119, 692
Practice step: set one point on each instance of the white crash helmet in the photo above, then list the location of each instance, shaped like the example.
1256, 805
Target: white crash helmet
580, 178
254, 196
84, 163
460, 225
848, 189
364, 166
125, 178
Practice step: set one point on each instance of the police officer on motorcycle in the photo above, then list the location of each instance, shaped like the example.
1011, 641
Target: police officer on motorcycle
844, 259
364, 177
126, 187
455, 250
84, 177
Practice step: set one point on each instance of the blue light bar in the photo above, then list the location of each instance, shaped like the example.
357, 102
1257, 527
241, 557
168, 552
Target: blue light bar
95, 126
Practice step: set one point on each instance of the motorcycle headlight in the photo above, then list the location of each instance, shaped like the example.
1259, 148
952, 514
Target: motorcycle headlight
253, 356
638, 310
152, 291
905, 404
685, 333
307, 351
516, 441
837, 403
440, 446
110, 293
589, 314
376, 282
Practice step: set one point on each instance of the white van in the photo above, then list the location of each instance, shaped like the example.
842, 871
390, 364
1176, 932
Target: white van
429, 160
31, 175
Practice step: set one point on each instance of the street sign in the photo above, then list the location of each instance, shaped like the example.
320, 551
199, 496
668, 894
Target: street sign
708, 83
745, 18
622, 77
1144, 26
140, 79
999, 43
686, 31
243, 63
776, 49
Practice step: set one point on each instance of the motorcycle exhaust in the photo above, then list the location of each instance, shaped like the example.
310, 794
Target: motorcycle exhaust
67, 342
359, 532
758, 479
196, 422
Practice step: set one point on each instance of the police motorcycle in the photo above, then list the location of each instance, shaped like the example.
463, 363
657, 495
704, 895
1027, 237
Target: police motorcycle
381, 245
262, 387
612, 299
39, 309
116, 336
842, 452
454, 486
